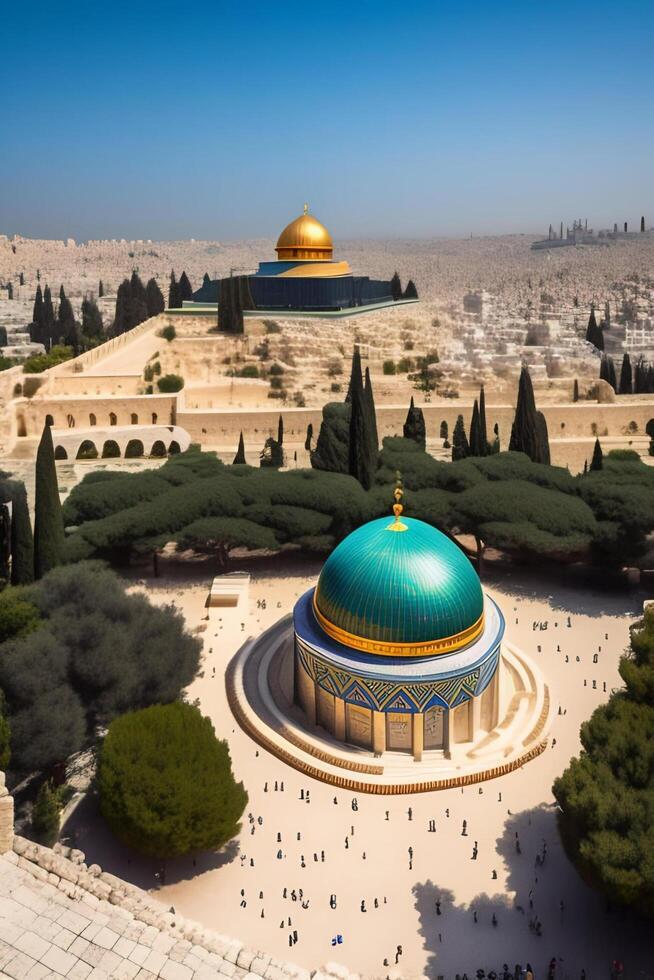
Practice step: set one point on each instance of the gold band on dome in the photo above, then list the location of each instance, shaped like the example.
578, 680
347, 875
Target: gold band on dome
445, 645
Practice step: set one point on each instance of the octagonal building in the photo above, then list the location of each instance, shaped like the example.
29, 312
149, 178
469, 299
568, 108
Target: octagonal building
397, 648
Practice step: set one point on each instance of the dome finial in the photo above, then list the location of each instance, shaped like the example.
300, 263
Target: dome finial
306, 208
398, 493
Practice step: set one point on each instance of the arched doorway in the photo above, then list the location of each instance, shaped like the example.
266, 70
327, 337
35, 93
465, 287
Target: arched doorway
174, 448
111, 449
444, 430
134, 449
60, 453
21, 428
158, 448
87, 450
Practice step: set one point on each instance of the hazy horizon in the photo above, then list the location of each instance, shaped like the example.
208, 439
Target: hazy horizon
436, 121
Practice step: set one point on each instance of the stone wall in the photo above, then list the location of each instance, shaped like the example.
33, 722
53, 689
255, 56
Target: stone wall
6, 817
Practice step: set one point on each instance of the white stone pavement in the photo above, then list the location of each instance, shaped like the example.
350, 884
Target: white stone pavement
60, 918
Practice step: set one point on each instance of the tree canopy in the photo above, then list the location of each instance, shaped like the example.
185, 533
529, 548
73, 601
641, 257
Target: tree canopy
606, 795
166, 782
77, 651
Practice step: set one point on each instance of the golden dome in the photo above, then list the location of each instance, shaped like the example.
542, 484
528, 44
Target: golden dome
305, 238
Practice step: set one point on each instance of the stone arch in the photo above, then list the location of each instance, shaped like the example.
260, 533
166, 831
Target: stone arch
174, 448
112, 418
60, 453
70, 421
87, 450
134, 419
18, 390
133, 449
154, 418
92, 419
111, 449
49, 420
158, 448
21, 426
444, 430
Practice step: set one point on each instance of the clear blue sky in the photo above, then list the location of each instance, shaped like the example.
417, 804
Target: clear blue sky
218, 120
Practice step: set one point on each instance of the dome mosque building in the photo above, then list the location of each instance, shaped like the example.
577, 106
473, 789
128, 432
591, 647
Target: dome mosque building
396, 656
305, 279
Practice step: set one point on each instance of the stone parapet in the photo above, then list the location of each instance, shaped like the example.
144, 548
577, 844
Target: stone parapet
141, 918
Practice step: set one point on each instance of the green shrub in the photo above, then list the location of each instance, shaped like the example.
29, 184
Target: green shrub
389, 367
170, 382
46, 814
166, 782
41, 362
248, 371
275, 369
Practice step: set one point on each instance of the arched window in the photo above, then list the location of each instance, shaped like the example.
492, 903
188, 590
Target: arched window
71, 421
60, 453
92, 419
154, 418
112, 418
22, 428
134, 418
49, 420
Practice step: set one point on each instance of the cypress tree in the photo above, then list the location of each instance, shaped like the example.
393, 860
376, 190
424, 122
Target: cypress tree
396, 287
92, 326
585, 467
154, 298
185, 287
414, 426
626, 383
138, 302
483, 432
597, 461
575, 391
206, 281
48, 520
360, 463
460, 447
48, 316
46, 814
612, 378
240, 452
529, 429
100, 289
604, 368
475, 436
372, 418
410, 292
174, 293
309, 438
607, 315
355, 372
37, 332
495, 448
66, 328
22, 542
280, 431
21, 278
642, 223
121, 316
10, 290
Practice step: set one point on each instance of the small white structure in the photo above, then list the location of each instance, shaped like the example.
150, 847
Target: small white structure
229, 598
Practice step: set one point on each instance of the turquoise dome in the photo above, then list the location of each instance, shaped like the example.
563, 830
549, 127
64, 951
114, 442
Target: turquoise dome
412, 587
